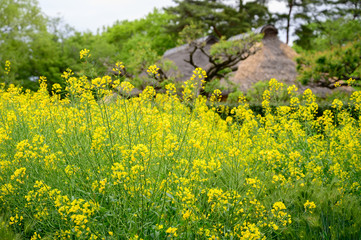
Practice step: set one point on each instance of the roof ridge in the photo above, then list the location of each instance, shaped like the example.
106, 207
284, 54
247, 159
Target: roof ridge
258, 30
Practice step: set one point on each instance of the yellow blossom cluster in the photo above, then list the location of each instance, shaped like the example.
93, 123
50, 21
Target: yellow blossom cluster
192, 87
165, 166
119, 68
126, 86
309, 206
153, 70
7, 67
84, 53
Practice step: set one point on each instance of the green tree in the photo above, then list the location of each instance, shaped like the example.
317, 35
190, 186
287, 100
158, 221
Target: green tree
330, 49
103, 54
27, 44
20, 23
344, 8
337, 64
308, 16
141, 42
300, 13
320, 36
218, 17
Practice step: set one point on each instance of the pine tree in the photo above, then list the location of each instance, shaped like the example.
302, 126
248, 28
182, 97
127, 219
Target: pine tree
218, 18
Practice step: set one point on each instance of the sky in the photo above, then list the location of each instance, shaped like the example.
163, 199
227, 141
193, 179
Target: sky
92, 15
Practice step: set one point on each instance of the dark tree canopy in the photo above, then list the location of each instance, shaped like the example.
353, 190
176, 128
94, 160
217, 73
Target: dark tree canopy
217, 17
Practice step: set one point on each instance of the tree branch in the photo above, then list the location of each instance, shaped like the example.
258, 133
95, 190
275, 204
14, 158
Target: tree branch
191, 61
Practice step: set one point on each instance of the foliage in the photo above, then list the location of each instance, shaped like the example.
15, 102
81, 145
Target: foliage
307, 16
36, 45
191, 33
145, 37
335, 52
298, 11
218, 18
234, 97
151, 28
142, 54
24, 41
161, 166
255, 94
326, 102
212, 85
323, 35
104, 53
342, 8
327, 67
40, 46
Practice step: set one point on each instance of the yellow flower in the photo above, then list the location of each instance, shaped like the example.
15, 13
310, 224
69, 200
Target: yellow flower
187, 214
216, 96
350, 82
68, 73
119, 67
337, 104
84, 53
35, 236
153, 70
171, 89
7, 67
56, 88
309, 206
159, 226
172, 230
127, 87
279, 206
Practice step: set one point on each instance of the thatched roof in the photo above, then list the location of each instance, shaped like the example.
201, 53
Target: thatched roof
267, 30
275, 59
208, 40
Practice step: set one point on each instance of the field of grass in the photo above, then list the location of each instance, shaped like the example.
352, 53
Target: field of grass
163, 166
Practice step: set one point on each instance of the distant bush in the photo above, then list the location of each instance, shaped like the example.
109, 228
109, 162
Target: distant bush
330, 66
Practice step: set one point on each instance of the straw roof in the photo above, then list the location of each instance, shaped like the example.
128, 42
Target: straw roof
275, 59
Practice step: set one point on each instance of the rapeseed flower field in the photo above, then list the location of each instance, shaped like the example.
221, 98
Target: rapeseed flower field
163, 166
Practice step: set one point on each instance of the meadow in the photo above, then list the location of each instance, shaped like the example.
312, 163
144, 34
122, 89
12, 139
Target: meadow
167, 166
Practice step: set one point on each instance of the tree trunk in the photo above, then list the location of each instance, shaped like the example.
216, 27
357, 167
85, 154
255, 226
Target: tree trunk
216, 31
290, 5
240, 6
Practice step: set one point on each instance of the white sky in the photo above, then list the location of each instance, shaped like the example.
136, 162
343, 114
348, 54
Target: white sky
91, 15
94, 14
